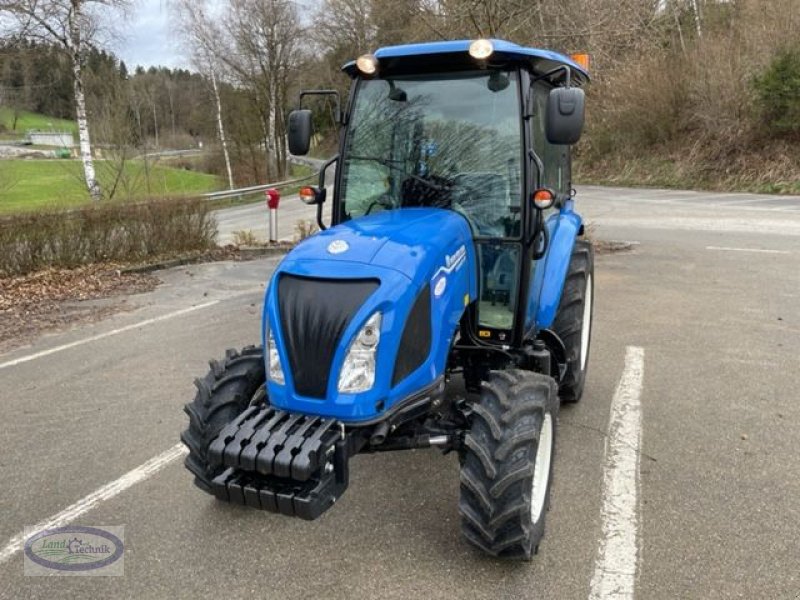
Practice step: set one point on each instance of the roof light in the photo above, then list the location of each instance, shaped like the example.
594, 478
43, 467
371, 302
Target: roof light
367, 64
481, 49
582, 60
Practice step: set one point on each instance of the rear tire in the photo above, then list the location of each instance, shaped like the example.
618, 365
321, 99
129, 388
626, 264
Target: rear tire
573, 322
226, 390
508, 464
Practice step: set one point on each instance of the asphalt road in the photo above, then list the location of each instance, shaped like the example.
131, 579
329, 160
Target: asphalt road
710, 293
254, 218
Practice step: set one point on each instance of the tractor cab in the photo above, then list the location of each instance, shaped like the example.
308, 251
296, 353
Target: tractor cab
462, 126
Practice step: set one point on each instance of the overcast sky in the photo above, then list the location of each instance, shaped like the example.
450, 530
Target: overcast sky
148, 39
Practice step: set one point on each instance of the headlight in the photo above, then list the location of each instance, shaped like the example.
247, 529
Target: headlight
358, 370
275, 371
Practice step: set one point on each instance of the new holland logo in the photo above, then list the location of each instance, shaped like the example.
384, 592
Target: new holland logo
453, 262
338, 246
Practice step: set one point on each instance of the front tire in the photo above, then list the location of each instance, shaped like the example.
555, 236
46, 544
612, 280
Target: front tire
223, 394
508, 464
573, 322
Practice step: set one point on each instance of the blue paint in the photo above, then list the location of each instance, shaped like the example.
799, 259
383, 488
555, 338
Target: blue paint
538, 59
550, 272
405, 250
411, 248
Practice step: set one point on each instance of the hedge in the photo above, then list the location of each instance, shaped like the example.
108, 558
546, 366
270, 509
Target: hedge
104, 233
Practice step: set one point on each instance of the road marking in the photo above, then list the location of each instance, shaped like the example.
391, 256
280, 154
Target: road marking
100, 336
615, 565
736, 200
108, 491
761, 250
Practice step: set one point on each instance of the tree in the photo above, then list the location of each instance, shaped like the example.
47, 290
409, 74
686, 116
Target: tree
71, 24
778, 90
265, 56
205, 40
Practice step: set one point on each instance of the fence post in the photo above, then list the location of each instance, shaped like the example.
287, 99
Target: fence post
273, 198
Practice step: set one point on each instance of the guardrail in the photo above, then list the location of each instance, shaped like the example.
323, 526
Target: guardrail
224, 194
314, 163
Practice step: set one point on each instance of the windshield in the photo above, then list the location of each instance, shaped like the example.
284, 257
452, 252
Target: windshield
441, 140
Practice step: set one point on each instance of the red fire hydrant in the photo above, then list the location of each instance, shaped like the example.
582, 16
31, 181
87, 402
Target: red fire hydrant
273, 198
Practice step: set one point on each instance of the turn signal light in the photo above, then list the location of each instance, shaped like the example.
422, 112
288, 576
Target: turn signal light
308, 194
583, 60
543, 198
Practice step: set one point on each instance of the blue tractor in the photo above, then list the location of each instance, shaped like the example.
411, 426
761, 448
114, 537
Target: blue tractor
447, 303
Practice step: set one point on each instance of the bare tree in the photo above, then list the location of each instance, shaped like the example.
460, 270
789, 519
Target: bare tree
205, 42
71, 24
265, 56
346, 25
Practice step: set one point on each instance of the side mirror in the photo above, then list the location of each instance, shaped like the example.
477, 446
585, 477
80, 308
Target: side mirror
299, 131
565, 115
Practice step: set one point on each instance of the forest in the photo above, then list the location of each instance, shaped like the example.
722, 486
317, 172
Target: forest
685, 93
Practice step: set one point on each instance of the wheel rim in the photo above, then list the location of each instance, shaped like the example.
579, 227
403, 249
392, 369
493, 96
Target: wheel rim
541, 469
586, 324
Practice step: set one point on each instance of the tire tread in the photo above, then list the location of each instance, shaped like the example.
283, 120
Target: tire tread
499, 461
222, 394
568, 324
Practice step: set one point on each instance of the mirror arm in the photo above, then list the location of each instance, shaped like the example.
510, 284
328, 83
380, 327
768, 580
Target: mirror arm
324, 168
334, 93
567, 75
320, 224
328, 163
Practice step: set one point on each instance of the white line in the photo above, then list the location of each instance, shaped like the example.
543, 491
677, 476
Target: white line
615, 566
100, 336
761, 250
87, 503
736, 200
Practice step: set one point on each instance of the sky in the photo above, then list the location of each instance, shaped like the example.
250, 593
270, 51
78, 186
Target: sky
147, 38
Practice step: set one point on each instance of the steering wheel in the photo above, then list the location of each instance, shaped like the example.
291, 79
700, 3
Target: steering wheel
436, 191
383, 200
472, 197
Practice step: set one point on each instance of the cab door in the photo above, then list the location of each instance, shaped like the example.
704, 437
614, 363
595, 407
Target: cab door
556, 175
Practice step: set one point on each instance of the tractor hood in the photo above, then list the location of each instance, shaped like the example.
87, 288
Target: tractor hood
411, 241
414, 267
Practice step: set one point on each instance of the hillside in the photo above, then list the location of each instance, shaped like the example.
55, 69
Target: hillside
39, 184
28, 120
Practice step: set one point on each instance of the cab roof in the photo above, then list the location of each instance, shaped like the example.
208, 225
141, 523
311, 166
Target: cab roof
454, 55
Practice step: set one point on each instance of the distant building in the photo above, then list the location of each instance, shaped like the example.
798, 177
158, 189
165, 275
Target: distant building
59, 139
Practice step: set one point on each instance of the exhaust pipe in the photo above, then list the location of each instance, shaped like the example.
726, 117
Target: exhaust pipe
379, 435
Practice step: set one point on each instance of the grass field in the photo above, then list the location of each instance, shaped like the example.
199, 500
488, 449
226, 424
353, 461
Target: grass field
28, 120
44, 184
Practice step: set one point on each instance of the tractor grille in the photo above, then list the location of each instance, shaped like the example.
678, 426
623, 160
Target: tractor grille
314, 314
415, 345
